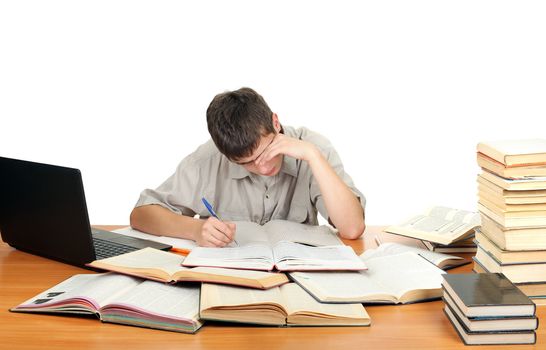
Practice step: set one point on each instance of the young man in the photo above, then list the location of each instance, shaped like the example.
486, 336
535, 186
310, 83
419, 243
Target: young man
253, 169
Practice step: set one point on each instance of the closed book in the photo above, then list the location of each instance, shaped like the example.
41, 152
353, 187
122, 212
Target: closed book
500, 169
524, 152
498, 195
534, 290
491, 324
517, 273
523, 238
526, 184
489, 338
487, 295
512, 219
509, 256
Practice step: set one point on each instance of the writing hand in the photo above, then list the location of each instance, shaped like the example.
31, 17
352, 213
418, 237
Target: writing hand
216, 233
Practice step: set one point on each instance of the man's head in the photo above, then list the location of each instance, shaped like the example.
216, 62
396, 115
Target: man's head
242, 126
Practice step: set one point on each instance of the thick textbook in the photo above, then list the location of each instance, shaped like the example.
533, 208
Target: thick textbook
489, 337
287, 305
284, 256
509, 256
393, 279
487, 295
515, 152
526, 184
491, 324
512, 219
497, 194
438, 224
122, 299
513, 172
166, 267
524, 238
517, 273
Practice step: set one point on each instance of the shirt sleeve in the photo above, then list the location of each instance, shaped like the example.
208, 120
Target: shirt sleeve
333, 158
177, 193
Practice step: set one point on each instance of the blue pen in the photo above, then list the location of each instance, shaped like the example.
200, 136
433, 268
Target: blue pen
209, 208
212, 212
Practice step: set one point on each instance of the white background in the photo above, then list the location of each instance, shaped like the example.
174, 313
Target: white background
403, 89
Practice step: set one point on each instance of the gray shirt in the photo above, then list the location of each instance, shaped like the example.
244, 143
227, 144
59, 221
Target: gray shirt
238, 195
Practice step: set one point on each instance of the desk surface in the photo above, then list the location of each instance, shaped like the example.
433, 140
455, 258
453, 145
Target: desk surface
421, 325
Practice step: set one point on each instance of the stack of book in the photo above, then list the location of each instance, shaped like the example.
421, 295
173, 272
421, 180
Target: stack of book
512, 203
487, 308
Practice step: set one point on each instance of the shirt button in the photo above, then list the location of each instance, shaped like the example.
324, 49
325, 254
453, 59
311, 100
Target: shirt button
267, 196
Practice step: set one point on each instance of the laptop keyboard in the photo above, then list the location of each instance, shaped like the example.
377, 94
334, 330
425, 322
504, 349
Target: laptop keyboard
106, 249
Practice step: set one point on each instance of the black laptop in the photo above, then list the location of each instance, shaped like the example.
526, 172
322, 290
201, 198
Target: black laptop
43, 212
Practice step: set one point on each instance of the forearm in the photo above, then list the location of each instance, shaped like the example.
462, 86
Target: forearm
160, 221
343, 207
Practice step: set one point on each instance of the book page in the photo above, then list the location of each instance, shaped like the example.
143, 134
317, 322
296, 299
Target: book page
405, 272
387, 279
297, 300
290, 256
97, 289
227, 303
283, 230
455, 215
392, 248
247, 233
159, 299
254, 256
175, 242
148, 258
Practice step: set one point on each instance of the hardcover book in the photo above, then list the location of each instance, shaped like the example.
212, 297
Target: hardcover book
487, 295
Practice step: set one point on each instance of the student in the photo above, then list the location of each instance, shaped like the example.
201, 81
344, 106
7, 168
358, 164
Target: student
253, 169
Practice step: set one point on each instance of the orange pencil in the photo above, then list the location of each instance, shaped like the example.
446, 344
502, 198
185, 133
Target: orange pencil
181, 251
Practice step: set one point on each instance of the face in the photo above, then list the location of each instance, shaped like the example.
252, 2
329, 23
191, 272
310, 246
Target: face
270, 168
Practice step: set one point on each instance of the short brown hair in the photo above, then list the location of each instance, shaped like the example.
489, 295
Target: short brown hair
237, 120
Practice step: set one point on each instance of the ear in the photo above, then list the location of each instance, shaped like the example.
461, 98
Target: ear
276, 123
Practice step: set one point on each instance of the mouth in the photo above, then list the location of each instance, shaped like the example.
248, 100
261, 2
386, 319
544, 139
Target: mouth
271, 172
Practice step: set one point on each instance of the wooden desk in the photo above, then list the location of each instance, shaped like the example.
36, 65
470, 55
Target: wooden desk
421, 325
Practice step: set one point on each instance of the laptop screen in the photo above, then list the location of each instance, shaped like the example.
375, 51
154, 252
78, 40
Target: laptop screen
43, 211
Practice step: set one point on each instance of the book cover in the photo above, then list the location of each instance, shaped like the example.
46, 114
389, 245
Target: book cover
487, 294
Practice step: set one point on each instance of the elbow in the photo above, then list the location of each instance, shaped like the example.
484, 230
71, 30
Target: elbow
354, 232
134, 218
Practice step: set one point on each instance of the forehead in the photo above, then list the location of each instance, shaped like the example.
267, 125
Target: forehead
265, 140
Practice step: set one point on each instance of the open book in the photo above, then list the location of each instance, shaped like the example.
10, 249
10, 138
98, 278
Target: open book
401, 278
438, 224
166, 267
122, 299
443, 261
285, 305
285, 256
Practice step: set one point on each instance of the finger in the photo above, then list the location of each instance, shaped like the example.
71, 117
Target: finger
221, 236
225, 229
215, 242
